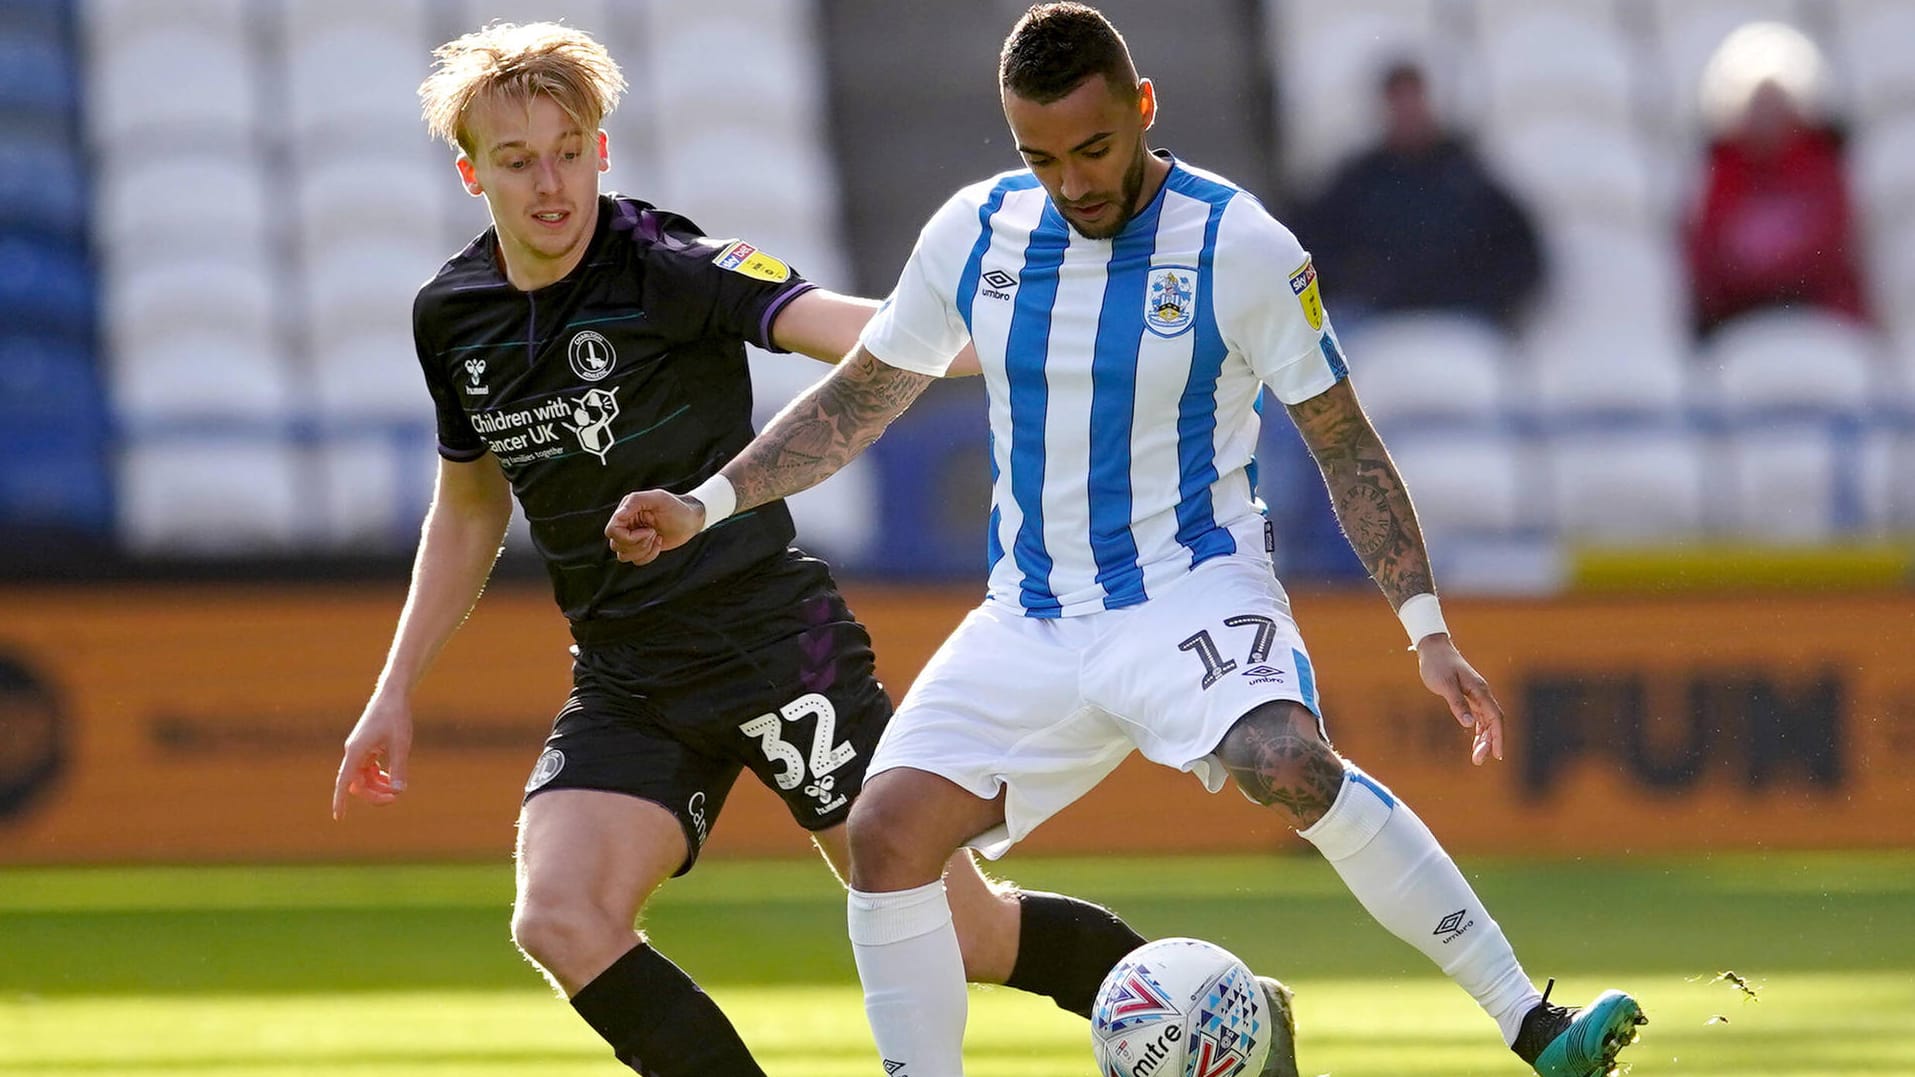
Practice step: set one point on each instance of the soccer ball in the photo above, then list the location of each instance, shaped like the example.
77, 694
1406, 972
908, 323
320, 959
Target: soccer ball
1180, 1008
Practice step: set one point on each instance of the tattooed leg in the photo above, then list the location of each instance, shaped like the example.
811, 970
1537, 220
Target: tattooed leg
1280, 760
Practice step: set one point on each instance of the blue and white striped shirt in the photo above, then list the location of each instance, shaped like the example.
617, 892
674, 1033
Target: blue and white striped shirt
1123, 375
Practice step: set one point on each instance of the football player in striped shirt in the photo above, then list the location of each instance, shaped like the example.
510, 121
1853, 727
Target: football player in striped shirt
1127, 309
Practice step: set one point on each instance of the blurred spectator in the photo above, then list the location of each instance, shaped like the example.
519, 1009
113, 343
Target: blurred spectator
1773, 225
1418, 223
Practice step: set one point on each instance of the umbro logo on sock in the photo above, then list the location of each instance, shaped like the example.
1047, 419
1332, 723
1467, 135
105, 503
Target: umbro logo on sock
891, 1068
1451, 927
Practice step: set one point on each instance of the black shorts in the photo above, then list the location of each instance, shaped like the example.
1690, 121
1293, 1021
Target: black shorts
790, 692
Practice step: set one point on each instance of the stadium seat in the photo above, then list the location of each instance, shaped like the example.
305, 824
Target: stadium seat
1532, 68
237, 493
53, 473
45, 285
156, 82
716, 176
1587, 363
1626, 484
195, 339
43, 183
353, 69
1610, 273
1468, 482
1417, 366
1790, 360
36, 72
155, 206
1882, 163
46, 377
1792, 481
400, 199
1871, 42
375, 487
1891, 270
1887, 473
367, 375
214, 372
1583, 169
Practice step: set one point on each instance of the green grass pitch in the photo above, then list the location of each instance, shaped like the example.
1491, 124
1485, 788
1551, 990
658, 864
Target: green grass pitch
360, 971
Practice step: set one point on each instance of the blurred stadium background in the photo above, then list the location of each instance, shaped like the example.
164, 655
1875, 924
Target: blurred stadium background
1686, 566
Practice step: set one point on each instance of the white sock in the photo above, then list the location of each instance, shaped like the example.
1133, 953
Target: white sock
1394, 866
913, 975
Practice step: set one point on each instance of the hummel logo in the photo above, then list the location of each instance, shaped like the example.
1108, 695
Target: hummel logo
891, 1068
997, 284
1452, 926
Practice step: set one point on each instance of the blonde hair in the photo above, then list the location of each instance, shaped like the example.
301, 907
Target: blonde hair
518, 62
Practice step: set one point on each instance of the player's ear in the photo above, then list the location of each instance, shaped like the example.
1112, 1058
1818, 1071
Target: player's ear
469, 175
604, 151
1146, 103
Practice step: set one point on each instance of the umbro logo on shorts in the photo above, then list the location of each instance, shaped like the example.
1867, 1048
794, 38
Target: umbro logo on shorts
1264, 675
998, 284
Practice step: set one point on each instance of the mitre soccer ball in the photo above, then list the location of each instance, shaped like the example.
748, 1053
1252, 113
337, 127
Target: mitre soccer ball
1180, 1008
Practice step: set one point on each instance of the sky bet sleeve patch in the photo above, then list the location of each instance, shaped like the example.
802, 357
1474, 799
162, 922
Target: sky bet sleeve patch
741, 257
1304, 283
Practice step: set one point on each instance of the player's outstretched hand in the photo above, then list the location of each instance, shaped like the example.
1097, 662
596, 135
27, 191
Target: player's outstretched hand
1448, 675
650, 522
374, 766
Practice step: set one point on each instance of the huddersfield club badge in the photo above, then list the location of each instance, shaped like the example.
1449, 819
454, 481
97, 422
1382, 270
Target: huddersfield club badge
1170, 300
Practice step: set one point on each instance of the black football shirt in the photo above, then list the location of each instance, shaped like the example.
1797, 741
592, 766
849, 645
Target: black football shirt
627, 374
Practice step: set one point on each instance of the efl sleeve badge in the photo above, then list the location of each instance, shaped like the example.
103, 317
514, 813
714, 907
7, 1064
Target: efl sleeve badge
743, 258
1304, 283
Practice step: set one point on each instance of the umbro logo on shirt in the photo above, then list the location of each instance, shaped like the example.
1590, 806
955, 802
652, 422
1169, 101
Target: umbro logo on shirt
998, 284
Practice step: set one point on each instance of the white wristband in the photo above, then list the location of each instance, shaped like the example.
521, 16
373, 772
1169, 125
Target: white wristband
719, 498
1422, 616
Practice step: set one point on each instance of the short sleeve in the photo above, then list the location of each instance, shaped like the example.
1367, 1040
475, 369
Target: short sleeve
458, 441
722, 287
919, 328
1269, 306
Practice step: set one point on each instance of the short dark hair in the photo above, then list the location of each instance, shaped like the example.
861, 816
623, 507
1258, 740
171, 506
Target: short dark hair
1054, 47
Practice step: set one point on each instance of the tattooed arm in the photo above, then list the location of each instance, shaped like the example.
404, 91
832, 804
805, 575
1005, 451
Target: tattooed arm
806, 443
1374, 509
1368, 494
822, 431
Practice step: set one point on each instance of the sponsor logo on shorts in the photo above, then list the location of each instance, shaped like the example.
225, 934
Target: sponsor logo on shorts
822, 791
591, 355
695, 807
551, 761
1264, 675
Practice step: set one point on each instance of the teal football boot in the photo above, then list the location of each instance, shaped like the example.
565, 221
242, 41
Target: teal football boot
1561, 1041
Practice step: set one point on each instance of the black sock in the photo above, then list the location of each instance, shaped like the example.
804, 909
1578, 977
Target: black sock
1065, 948
661, 1023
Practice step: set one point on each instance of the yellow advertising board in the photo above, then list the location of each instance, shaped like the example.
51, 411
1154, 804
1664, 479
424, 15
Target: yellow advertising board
198, 723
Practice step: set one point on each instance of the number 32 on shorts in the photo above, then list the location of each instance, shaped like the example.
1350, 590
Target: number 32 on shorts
825, 756
1263, 636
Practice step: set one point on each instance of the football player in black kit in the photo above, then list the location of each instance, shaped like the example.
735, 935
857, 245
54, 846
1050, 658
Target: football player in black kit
585, 346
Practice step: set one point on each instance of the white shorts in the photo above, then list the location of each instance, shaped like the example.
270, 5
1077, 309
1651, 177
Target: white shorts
1046, 707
